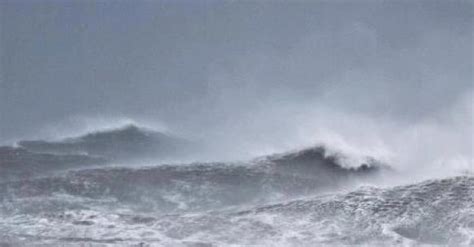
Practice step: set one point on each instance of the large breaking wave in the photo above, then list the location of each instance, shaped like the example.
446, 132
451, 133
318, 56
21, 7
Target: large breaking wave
87, 190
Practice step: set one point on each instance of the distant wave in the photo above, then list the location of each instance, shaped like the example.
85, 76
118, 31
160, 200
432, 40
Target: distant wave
122, 144
130, 144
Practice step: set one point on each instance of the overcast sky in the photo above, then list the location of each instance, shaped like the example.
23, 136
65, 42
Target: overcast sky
222, 67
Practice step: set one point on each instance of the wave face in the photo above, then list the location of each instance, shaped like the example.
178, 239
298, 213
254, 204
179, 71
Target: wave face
68, 193
177, 188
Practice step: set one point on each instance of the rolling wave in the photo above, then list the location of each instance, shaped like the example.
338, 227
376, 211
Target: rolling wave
71, 192
200, 185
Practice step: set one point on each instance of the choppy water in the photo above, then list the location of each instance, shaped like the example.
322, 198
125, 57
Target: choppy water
298, 199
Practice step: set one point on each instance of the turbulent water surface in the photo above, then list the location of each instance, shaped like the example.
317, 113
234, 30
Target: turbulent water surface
71, 192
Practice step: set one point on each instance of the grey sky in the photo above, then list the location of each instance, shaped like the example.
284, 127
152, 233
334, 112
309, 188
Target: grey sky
201, 65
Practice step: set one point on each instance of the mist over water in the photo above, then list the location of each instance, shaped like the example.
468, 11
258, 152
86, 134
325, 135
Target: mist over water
236, 123
432, 147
